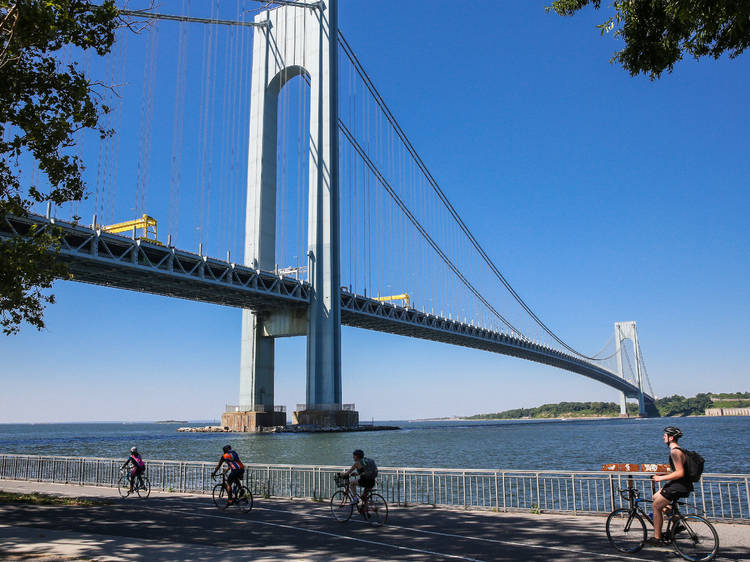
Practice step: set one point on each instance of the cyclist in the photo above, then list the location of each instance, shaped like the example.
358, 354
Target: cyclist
367, 471
678, 485
139, 466
236, 470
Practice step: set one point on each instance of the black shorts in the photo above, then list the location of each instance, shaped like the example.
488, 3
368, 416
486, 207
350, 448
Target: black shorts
235, 474
675, 491
366, 481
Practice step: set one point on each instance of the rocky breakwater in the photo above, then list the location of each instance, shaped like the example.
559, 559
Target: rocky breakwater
204, 429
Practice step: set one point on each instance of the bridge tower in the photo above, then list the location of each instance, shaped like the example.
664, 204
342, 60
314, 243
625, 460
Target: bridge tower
629, 331
299, 38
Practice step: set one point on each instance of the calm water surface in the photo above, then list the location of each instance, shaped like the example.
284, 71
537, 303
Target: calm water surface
524, 444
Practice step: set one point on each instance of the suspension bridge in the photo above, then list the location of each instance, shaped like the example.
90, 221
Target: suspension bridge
343, 222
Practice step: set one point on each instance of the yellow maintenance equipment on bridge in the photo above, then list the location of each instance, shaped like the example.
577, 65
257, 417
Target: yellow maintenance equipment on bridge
145, 223
404, 298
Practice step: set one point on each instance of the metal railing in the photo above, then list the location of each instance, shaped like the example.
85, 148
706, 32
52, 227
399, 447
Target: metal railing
717, 496
258, 408
326, 407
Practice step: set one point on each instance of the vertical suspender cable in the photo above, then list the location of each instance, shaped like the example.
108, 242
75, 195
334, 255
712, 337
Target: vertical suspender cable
147, 108
178, 125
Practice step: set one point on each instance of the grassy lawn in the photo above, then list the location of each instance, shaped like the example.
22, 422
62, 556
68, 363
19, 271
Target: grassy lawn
38, 498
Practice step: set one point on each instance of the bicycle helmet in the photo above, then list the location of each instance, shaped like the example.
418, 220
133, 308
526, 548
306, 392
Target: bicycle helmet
133, 449
358, 453
673, 431
227, 448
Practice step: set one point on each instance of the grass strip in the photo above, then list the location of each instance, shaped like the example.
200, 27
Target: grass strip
37, 498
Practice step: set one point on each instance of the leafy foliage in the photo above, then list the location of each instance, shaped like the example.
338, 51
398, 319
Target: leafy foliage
657, 33
680, 406
563, 409
42, 105
669, 406
730, 395
731, 404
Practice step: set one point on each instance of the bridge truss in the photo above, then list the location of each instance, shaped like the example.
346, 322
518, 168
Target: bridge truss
111, 260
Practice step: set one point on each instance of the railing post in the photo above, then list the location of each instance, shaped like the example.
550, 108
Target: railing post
747, 492
434, 490
291, 494
703, 497
573, 481
505, 506
612, 491
464, 486
497, 497
398, 487
538, 497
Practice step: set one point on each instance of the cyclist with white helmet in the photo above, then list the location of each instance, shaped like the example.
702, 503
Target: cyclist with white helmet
678, 484
139, 466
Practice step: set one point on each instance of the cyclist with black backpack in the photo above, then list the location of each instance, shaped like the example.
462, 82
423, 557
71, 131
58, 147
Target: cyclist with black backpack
366, 470
678, 482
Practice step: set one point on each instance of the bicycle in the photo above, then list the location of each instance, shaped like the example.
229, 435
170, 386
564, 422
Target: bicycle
141, 485
692, 537
243, 498
342, 504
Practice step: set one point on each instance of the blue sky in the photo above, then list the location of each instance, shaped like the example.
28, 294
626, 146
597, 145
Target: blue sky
602, 198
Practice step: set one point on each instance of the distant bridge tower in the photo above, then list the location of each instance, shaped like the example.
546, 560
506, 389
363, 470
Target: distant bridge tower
629, 331
297, 40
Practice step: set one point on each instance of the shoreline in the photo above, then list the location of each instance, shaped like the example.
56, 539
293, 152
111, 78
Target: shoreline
532, 419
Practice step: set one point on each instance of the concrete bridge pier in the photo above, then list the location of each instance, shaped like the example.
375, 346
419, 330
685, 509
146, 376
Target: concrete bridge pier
297, 41
629, 331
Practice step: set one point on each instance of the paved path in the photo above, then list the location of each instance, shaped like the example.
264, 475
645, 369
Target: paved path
189, 527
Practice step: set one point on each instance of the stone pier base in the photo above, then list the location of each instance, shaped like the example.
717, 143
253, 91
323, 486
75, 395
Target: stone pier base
252, 421
326, 418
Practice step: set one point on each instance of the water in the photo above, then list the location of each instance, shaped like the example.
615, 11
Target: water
511, 445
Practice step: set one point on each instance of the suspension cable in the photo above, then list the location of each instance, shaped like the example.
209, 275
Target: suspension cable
441, 195
384, 182
153, 15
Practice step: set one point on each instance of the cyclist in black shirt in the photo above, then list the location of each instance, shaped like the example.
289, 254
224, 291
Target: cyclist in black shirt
678, 485
366, 470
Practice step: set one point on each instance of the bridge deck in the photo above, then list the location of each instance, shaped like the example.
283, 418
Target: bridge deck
107, 259
189, 527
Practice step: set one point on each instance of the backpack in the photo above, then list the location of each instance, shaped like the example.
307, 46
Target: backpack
369, 468
693, 465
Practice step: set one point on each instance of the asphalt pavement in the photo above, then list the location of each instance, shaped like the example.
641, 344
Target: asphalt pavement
170, 526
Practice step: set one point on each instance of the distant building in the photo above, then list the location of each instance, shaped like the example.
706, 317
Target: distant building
728, 411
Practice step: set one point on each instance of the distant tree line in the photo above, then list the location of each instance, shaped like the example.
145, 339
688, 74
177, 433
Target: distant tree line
730, 395
731, 400
680, 406
669, 406
561, 410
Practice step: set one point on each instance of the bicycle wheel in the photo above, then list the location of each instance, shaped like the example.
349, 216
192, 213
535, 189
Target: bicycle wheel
340, 506
143, 487
220, 496
695, 538
244, 499
626, 532
123, 485
377, 510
